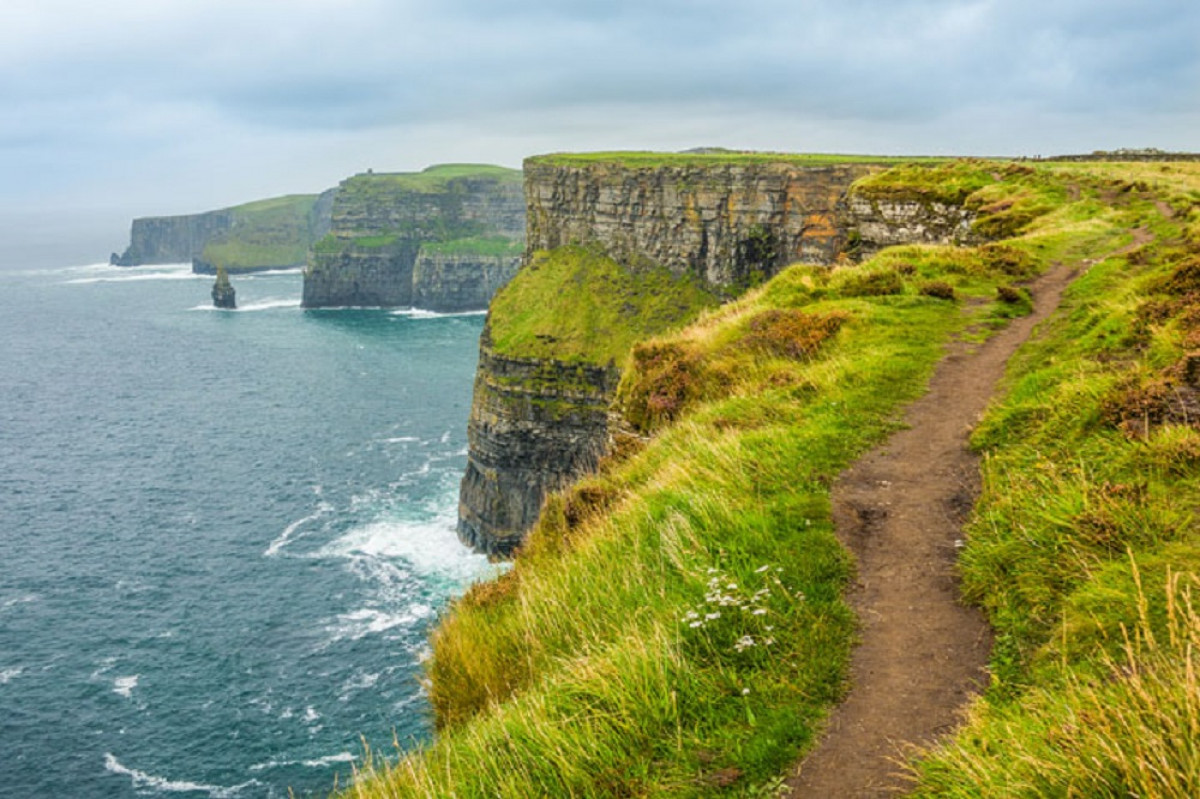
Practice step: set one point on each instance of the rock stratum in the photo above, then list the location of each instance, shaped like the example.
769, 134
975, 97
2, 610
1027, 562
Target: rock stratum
444, 239
697, 228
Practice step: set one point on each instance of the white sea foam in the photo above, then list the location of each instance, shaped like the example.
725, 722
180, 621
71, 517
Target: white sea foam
270, 304
401, 440
19, 600
366, 621
125, 685
134, 274
361, 681
320, 762
7, 675
286, 536
429, 547
141, 780
420, 313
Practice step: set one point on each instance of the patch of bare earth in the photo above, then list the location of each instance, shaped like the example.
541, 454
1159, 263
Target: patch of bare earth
900, 510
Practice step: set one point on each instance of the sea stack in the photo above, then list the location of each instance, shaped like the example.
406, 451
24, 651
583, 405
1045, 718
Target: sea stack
222, 291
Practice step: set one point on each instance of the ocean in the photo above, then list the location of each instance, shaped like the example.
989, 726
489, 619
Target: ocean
225, 534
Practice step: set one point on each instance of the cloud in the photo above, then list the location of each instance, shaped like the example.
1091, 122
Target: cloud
121, 95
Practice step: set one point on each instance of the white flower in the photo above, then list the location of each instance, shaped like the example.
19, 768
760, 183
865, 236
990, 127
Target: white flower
691, 614
711, 616
745, 692
696, 624
732, 586
745, 642
762, 568
759, 611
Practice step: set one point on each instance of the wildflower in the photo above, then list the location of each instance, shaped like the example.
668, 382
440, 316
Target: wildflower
762, 568
759, 611
745, 692
768, 642
691, 614
732, 586
711, 616
745, 642
696, 624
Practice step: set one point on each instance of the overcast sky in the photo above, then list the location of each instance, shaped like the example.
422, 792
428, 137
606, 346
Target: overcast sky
146, 107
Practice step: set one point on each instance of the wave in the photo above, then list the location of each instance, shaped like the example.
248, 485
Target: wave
419, 313
8, 675
368, 621
320, 762
133, 274
286, 536
124, 685
141, 779
262, 305
429, 547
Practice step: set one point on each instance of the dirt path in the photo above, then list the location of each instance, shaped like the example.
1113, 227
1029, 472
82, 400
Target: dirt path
900, 510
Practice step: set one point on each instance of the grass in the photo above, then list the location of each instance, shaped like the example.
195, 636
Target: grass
576, 304
674, 625
1084, 548
266, 234
653, 160
489, 246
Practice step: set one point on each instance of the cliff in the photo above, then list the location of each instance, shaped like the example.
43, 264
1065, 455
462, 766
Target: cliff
470, 219
266, 234
728, 221
716, 224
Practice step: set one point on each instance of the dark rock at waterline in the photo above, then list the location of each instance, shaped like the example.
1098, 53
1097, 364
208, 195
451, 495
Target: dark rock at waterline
223, 294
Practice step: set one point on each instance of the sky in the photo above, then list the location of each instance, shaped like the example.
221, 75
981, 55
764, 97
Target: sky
148, 107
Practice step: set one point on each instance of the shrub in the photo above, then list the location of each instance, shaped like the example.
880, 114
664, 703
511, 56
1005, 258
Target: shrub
872, 284
939, 289
791, 333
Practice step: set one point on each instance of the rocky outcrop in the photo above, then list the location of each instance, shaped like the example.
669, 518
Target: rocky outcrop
535, 426
223, 294
730, 224
449, 282
878, 222
380, 221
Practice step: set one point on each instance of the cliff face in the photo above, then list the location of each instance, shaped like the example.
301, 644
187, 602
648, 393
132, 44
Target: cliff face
880, 222
172, 239
535, 426
448, 282
728, 224
379, 223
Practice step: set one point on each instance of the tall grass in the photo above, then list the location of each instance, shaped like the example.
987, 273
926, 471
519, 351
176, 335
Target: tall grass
675, 623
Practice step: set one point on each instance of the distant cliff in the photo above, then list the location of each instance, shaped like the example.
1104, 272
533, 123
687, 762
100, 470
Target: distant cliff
442, 239
267, 234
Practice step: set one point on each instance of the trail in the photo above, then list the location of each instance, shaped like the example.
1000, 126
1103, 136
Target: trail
900, 510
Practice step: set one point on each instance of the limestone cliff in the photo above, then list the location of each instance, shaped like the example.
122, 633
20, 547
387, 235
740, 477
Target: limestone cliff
381, 221
729, 222
172, 239
536, 424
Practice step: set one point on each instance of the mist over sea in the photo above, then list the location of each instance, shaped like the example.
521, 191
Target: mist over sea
224, 534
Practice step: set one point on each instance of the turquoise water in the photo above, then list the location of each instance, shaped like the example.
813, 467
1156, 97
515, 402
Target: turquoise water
224, 534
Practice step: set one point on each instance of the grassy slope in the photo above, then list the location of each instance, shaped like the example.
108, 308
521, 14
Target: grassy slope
597, 667
1092, 482
573, 304
675, 623
274, 232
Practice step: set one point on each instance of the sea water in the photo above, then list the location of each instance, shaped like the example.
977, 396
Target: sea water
224, 535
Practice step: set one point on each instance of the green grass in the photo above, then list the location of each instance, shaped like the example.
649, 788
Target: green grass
276, 232
431, 180
1084, 548
674, 625
650, 160
575, 304
491, 246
